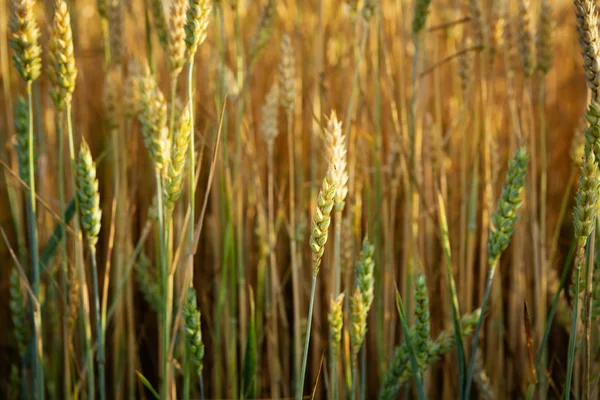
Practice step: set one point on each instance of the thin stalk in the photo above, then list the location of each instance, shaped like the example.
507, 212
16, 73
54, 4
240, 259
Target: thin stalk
486, 295
240, 326
573, 333
65, 263
334, 374
363, 372
130, 264
85, 306
99, 335
192, 207
271, 237
307, 340
563, 278
173, 97
353, 389
38, 355
164, 284
453, 293
293, 250
417, 375
337, 271
149, 54
382, 272
587, 317
561, 215
219, 20
413, 196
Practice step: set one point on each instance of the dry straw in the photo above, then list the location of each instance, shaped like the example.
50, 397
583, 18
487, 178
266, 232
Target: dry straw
160, 21
112, 99
526, 42
544, 37
477, 23
115, 31
497, 29
287, 75
270, 116
131, 95
262, 32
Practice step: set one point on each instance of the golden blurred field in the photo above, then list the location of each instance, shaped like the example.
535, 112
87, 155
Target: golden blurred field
430, 119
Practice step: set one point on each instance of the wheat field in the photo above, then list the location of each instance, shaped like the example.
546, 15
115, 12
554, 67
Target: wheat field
369, 199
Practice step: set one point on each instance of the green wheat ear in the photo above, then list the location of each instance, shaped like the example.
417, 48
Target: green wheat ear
336, 321
22, 143
420, 16
193, 332
198, 18
148, 283
584, 213
87, 192
399, 371
422, 319
18, 311
179, 151
24, 40
365, 266
322, 217
503, 220
153, 117
262, 32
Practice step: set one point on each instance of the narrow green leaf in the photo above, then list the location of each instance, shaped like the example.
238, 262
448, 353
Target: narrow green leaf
250, 359
148, 385
411, 350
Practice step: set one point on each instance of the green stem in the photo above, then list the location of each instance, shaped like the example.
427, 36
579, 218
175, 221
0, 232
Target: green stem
65, 264
38, 355
333, 368
163, 277
307, 339
587, 316
486, 295
337, 272
99, 335
89, 358
192, 205
293, 250
353, 389
573, 334
149, 54
550, 318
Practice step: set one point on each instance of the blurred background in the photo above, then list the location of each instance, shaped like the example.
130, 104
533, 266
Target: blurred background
444, 119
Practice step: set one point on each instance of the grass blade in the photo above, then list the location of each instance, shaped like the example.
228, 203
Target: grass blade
411, 350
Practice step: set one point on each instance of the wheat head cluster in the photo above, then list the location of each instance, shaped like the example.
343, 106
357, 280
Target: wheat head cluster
340, 199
